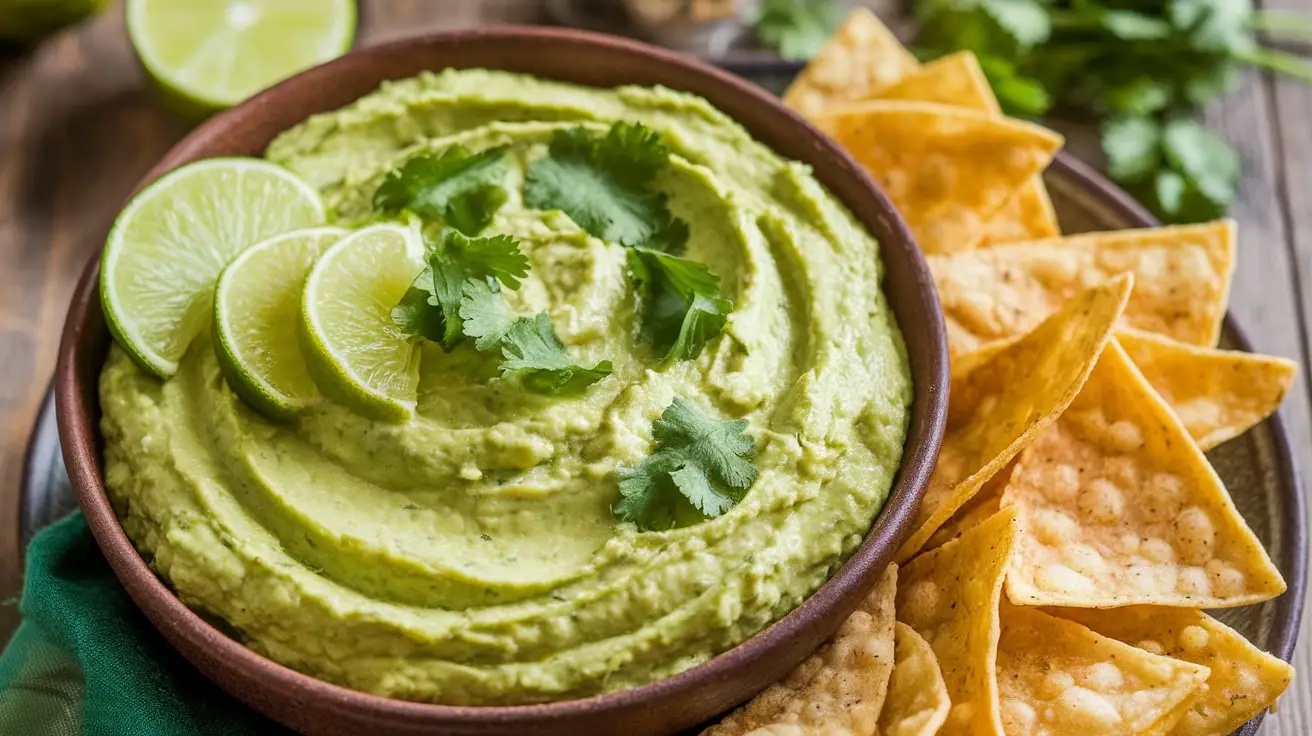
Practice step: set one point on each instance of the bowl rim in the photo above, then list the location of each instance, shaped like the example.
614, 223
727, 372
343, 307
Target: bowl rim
78, 431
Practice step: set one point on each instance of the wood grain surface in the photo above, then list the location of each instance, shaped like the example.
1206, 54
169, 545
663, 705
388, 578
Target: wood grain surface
79, 125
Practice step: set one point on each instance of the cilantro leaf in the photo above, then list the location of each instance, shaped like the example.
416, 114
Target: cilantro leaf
681, 306
698, 461
1132, 148
431, 308
1203, 157
1026, 21
461, 189
605, 185
532, 354
797, 29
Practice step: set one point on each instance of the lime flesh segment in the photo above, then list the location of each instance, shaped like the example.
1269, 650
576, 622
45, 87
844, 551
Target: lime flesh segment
212, 54
257, 306
169, 245
355, 353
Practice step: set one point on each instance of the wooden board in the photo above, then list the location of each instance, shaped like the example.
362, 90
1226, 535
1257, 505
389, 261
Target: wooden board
78, 126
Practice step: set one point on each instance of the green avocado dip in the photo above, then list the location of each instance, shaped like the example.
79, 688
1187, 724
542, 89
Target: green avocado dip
471, 554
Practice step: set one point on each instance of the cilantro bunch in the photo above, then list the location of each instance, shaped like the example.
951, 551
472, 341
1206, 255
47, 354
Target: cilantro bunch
1142, 68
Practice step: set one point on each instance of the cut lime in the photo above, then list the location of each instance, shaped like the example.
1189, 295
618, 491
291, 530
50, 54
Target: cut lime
355, 352
207, 55
256, 310
169, 244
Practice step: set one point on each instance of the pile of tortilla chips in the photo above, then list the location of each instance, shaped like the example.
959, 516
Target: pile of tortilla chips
1073, 530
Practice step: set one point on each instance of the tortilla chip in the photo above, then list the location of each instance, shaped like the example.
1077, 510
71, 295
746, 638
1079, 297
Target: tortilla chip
861, 58
985, 503
1182, 282
1118, 506
950, 596
917, 702
1244, 681
1001, 405
947, 169
840, 688
1217, 394
1056, 676
956, 79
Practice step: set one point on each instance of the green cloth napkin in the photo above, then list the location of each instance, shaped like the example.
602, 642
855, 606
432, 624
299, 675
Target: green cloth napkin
86, 661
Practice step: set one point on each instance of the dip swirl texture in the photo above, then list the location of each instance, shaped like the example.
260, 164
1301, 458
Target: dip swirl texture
470, 555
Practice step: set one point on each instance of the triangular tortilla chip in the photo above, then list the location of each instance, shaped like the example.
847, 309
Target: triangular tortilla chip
1183, 282
985, 503
947, 169
1056, 676
956, 79
998, 407
917, 702
950, 596
1244, 681
840, 688
1118, 506
861, 58
1218, 394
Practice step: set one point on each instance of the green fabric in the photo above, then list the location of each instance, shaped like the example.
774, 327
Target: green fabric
86, 661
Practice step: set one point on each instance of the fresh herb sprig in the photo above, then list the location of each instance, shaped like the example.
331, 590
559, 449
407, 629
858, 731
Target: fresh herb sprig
699, 463
1142, 68
463, 190
795, 28
606, 185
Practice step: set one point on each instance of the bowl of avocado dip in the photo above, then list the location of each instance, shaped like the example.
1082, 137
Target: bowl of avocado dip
506, 380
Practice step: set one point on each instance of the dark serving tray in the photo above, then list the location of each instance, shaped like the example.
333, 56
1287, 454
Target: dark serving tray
1258, 467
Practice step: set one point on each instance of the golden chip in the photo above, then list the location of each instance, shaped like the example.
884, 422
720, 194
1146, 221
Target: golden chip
1000, 405
1056, 676
1218, 394
985, 503
840, 688
1244, 680
917, 702
861, 58
1118, 506
1182, 282
956, 79
948, 169
950, 596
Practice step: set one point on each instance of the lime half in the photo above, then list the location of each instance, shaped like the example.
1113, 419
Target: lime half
257, 303
355, 352
169, 244
207, 55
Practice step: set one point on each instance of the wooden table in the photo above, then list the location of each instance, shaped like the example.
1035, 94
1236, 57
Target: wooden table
78, 126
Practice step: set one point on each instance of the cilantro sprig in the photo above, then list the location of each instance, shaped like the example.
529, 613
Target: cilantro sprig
461, 189
532, 354
795, 28
699, 463
430, 308
1142, 68
606, 185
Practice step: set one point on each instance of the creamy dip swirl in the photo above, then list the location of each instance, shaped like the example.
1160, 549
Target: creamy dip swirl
470, 555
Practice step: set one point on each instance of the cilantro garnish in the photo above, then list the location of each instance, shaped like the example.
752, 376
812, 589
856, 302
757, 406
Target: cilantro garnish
1143, 70
532, 354
795, 28
430, 308
461, 189
604, 184
698, 461
681, 306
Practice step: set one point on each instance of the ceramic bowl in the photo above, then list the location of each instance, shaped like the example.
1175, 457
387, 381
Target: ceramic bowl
675, 703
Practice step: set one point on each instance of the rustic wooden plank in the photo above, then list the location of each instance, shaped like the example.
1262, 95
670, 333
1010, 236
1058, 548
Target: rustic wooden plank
1290, 108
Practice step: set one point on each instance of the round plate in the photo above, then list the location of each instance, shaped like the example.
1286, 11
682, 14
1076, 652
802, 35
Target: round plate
1257, 467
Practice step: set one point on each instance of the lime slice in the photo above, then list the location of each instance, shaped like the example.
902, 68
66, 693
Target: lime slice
353, 349
257, 303
169, 244
207, 55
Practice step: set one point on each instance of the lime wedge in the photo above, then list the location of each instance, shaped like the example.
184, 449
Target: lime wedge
169, 244
352, 348
207, 55
257, 303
